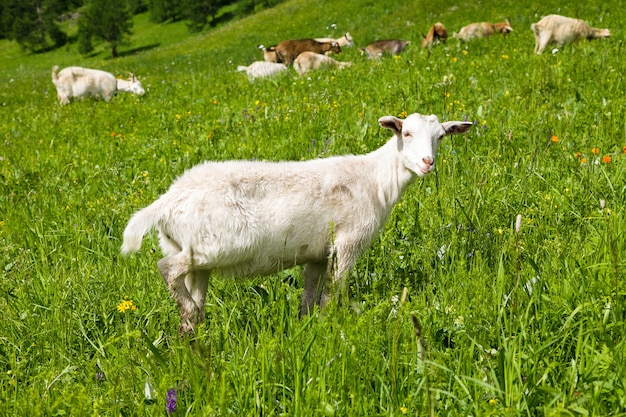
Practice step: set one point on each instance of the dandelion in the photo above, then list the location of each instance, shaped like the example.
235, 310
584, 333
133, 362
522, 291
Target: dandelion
606, 159
554, 139
170, 407
493, 401
583, 161
126, 305
454, 59
404, 410
595, 151
505, 57
403, 113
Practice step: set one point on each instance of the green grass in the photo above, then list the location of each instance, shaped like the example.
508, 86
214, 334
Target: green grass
527, 322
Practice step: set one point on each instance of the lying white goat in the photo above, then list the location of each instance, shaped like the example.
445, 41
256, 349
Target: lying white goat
310, 61
261, 69
248, 218
83, 82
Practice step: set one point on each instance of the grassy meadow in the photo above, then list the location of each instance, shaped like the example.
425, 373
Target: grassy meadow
526, 320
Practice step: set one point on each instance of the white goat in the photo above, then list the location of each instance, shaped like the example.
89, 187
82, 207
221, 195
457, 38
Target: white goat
261, 69
345, 41
83, 82
309, 61
561, 30
249, 218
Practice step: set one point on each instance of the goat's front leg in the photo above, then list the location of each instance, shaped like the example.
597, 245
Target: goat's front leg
314, 278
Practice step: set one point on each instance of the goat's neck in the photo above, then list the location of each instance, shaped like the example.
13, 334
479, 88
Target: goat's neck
123, 85
392, 178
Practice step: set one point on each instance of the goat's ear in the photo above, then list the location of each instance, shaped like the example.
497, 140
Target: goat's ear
456, 128
392, 123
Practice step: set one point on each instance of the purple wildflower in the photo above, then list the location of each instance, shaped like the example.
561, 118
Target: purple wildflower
170, 407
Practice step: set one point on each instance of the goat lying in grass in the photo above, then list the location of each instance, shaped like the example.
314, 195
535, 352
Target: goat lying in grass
483, 30
262, 69
248, 218
310, 61
83, 82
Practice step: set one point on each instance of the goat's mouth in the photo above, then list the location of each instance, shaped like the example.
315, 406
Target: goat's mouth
424, 170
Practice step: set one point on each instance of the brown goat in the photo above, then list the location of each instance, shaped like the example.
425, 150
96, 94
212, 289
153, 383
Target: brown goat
436, 33
287, 51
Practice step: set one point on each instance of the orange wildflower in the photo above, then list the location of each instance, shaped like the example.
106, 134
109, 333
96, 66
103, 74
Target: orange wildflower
595, 151
579, 155
554, 138
583, 161
606, 159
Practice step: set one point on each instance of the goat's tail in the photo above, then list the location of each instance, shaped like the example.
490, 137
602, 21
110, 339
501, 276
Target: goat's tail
138, 226
241, 68
54, 73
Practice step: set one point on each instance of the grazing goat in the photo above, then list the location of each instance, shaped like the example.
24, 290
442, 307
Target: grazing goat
483, 30
269, 54
287, 51
561, 30
249, 218
389, 46
309, 61
82, 82
260, 69
436, 33
344, 42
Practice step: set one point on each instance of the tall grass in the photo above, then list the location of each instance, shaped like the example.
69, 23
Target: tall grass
513, 321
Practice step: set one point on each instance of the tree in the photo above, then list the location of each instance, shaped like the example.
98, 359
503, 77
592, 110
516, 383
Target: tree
107, 20
33, 23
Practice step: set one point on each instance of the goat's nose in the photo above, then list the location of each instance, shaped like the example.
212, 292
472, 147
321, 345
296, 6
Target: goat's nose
429, 161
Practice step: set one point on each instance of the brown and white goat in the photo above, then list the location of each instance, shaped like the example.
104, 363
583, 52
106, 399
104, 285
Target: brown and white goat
436, 33
287, 51
483, 30
385, 47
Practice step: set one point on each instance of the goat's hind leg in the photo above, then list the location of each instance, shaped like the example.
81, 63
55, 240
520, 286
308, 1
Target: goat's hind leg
197, 283
174, 270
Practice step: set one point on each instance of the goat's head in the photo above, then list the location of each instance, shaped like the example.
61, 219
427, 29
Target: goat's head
349, 40
503, 27
135, 86
418, 138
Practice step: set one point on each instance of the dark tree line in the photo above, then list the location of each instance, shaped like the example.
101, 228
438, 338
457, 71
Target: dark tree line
40, 25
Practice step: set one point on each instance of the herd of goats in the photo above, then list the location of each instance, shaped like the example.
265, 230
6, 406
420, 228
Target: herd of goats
311, 54
249, 218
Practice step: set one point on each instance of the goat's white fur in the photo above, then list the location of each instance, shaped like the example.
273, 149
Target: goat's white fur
81, 82
562, 30
310, 61
248, 218
345, 41
260, 69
